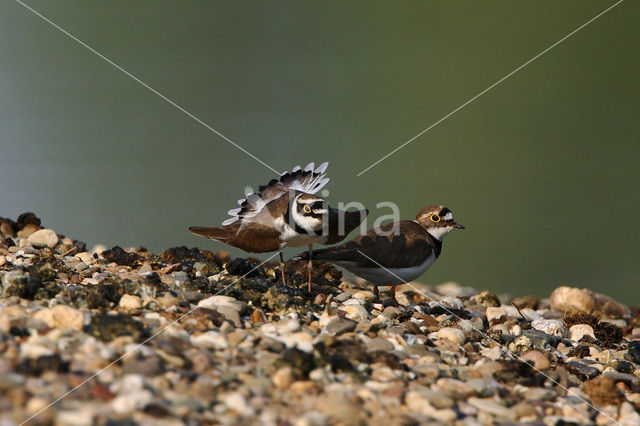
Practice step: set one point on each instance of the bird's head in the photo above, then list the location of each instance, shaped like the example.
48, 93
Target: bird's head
437, 220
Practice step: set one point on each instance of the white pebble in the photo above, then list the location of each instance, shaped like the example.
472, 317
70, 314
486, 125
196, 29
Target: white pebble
43, 238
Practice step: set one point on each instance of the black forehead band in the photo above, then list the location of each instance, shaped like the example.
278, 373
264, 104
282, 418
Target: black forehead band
444, 211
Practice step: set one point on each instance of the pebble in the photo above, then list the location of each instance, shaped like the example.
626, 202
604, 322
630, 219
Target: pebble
338, 326
61, 316
43, 238
454, 334
550, 326
538, 359
491, 407
130, 302
283, 377
634, 351
494, 313
356, 313
578, 331
569, 299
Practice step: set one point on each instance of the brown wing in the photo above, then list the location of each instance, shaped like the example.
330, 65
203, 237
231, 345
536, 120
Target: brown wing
250, 237
408, 247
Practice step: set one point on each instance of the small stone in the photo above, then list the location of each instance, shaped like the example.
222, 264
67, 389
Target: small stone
582, 370
603, 391
238, 403
283, 377
130, 302
43, 238
578, 331
569, 299
364, 295
355, 312
456, 389
634, 351
491, 407
215, 302
258, 316
538, 359
548, 326
3, 260
454, 334
61, 316
485, 298
493, 354
495, 313
339, 326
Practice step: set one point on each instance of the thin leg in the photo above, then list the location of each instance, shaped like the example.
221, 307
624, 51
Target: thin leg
282, 268
310, 265
376, 291
393, 292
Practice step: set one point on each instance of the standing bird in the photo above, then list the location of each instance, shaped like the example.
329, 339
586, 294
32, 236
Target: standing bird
285, 213
395, 253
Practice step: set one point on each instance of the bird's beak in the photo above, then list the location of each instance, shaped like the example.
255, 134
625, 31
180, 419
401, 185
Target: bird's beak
457, 225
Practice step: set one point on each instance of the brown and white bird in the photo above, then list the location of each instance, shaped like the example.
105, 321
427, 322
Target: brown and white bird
395, 253
285, 213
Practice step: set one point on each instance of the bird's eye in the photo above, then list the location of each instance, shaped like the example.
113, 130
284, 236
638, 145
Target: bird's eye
435, 218
306, 209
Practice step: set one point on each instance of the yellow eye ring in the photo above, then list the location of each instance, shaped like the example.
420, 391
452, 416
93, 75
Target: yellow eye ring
306, 208
435, 218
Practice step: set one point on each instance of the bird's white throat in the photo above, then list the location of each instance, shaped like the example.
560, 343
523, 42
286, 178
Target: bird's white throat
439, 232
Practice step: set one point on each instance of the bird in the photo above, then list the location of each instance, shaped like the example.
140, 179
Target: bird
286, 213
394, 253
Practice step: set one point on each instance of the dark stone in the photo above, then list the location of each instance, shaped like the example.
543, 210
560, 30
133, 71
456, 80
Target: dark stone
302, 361
121, 257
27, 218
623, 366
540, 339
582, 370
245, 267
338, 326
439, 310
108, 327
634, 351
35, 367
18, 331
616, 376
149, 366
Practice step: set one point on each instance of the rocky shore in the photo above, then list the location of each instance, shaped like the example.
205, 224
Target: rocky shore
190, 337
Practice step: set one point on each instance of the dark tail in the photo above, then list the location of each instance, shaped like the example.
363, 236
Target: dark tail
347, 220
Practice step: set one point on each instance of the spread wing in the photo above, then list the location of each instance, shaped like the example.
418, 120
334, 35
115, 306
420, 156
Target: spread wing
396, 250
309, 180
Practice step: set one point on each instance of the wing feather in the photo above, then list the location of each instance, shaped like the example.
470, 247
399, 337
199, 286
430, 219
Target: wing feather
309, 180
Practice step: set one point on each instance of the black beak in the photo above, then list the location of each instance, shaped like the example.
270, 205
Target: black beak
458, 226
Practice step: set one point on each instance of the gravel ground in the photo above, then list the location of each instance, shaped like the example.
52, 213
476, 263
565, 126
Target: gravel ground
192, 337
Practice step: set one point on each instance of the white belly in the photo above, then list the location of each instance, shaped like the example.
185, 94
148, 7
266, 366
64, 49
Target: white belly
389, 276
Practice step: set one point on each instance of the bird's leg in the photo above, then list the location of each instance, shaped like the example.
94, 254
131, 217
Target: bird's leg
376, 291
310, 265
393, 292
282, 268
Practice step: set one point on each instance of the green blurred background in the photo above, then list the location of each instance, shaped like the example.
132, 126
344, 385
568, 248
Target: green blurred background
543, 169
